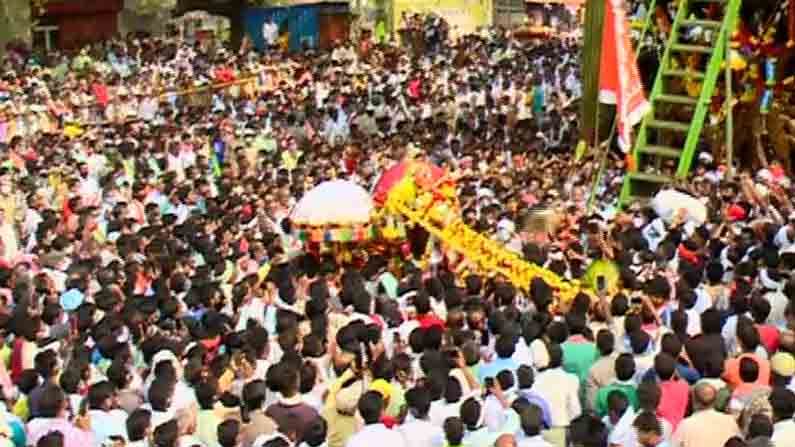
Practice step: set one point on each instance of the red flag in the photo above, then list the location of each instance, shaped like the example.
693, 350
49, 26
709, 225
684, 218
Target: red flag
619, 78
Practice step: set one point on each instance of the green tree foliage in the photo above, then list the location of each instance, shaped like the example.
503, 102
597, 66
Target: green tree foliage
152, 7
15, 21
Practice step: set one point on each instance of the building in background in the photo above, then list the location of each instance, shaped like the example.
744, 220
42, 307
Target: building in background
509, 13
548, 13
307, 24
70, 25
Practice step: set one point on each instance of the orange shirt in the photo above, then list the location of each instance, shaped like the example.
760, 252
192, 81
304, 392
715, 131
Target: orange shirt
731, 372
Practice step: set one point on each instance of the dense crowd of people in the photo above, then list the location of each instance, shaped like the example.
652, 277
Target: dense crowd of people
155, 295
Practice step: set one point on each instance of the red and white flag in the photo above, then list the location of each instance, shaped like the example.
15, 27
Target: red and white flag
619, 78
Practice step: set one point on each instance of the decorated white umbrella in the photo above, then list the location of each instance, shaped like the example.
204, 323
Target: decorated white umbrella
669, 201
334, 211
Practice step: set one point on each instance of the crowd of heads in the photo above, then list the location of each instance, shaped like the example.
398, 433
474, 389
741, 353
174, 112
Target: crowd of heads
154, 293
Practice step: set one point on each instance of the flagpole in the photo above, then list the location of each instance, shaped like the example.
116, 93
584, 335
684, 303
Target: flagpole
614, 127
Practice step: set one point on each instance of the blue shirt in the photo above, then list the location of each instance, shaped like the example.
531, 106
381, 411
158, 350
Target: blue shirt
494, 367
536, 399
687, 373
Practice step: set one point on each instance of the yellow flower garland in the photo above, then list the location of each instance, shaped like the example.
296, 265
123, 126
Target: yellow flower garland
440, 218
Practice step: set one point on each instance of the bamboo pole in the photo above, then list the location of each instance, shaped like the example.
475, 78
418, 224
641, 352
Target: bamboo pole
729, 111
591, 55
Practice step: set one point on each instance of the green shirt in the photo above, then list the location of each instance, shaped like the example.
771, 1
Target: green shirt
626, 388
578, 357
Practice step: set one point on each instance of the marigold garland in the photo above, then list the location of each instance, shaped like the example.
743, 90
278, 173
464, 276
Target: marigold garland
437, 213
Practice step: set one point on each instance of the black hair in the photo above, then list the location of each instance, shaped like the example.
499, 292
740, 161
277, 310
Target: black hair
316, 432
557, 332
576, 323
664, 366
524, 376
452, 390
46, 363
587, 430
782, 402
253, 397
619, 306
166, 434
371, 406
505, 346
747, 334
118, 373
649, 395
532, 420
470, 413
308, 377
760, 309
760, 426
671, 345
605, 342
679, 320
99, 394
632, 323
207, 394
138, 423
713, 365
453, 430
749, 370
639, 341
52, 439
228, 432
647, 422
617, 402
505, 379
160, 393
284, 378
555, 356
29, 379
625, 367
51, 402
711, 322
418, 401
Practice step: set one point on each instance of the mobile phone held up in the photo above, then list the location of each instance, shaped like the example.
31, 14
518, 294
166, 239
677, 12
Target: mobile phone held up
601, 284
489, 385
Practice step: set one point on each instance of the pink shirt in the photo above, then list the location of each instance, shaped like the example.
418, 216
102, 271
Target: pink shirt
73, 436
673, 401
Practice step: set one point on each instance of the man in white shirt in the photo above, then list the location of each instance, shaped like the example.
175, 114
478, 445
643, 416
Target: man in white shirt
374, 433
782, 401
493, 406
785, 237
478, 434
253, 308
420, 431
560, 389
270, 32
619, 418
105, 421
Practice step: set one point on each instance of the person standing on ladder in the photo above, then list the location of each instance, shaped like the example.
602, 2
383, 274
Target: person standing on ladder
270, 33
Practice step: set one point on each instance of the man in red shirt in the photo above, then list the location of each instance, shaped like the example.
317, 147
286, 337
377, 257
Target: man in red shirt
224, 74
425, 316
100, 92
675, 393
768, 333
